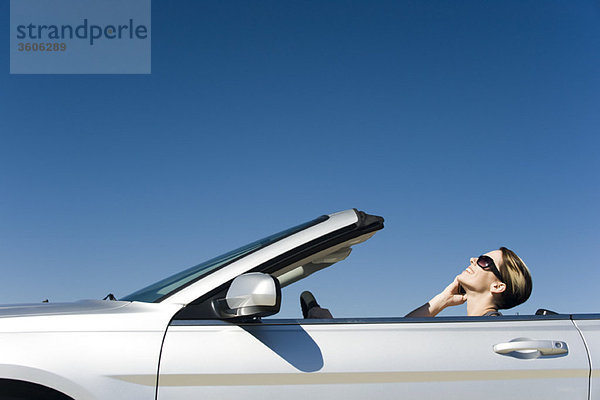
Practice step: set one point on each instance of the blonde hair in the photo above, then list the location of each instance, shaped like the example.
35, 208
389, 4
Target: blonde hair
517, 279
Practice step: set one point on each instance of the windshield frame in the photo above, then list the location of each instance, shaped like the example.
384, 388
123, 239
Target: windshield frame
166, 287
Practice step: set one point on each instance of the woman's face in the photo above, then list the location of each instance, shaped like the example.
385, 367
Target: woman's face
477, 279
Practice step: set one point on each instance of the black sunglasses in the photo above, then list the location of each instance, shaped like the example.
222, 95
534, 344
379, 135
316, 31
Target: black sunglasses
486, 262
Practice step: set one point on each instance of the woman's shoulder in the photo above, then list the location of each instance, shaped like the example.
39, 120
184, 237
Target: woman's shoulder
492, 314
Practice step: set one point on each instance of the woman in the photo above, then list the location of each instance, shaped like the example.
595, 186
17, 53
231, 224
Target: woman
496, 280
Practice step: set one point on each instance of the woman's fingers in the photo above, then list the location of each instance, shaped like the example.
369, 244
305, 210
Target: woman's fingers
459, 299
453, 287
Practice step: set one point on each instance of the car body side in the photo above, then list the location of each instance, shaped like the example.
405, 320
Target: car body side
79, 349
173, 349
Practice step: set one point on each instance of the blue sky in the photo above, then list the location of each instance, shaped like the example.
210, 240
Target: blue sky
467, 125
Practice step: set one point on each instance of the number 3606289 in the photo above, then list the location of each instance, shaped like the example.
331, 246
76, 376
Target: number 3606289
42, 46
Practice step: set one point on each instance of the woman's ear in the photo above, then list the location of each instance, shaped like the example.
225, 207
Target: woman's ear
497, 287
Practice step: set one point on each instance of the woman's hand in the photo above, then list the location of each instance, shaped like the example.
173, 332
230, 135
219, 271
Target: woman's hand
447, 298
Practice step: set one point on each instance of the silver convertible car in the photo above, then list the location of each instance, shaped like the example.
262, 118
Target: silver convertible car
201, 334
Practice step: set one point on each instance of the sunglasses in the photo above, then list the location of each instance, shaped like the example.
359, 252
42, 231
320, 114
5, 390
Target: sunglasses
486, 262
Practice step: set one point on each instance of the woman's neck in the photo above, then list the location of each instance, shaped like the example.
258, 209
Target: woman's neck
479, 304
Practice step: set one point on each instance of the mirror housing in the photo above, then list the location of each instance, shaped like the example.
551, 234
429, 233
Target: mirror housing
250, 295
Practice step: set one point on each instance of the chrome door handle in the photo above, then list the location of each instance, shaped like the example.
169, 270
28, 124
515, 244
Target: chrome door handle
533, 347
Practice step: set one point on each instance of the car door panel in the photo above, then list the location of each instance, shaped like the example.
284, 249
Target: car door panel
360, 358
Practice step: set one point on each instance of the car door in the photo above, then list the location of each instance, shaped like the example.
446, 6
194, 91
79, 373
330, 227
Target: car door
447, 357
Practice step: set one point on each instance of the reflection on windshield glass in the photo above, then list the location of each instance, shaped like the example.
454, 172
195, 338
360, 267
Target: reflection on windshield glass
170, 285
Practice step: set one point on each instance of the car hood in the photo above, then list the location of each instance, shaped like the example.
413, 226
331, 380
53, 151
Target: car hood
86, 315
78, 307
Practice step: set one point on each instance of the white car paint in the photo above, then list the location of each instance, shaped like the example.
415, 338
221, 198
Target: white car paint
78, 348
589, 325
362, 358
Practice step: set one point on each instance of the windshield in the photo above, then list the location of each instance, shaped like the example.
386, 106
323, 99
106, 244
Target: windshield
168, 286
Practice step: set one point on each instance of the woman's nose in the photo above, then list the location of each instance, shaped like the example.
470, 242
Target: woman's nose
473, 260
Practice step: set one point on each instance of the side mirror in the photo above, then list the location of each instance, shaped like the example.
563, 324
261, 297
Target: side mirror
250, 295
